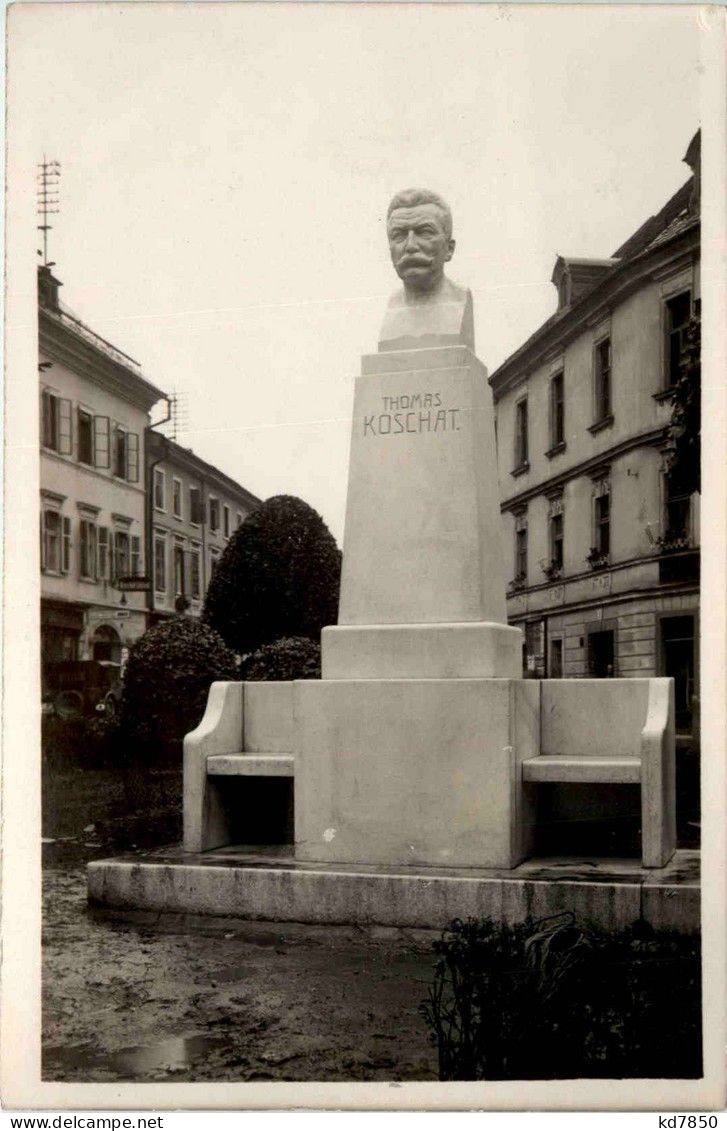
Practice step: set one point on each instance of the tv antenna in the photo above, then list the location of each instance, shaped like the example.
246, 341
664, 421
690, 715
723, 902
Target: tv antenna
179, 419
48, 189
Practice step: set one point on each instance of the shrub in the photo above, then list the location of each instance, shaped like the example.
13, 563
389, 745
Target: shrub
167, 679
550, 1000
293, 657
83, 741
279, 576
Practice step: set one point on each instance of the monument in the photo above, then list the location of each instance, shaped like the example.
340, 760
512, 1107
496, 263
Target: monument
416, 761
406, 745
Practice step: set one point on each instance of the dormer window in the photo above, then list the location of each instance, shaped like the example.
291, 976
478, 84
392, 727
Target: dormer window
573, 278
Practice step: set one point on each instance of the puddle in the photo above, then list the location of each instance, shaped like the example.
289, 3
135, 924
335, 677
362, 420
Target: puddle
129, 1064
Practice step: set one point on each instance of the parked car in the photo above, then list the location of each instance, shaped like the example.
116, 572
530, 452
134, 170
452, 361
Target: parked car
78, 687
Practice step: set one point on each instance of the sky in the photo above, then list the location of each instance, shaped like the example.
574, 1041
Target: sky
226, 170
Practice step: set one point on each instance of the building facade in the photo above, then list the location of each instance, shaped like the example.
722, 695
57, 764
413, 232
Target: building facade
193, 508
602, 541
94, 406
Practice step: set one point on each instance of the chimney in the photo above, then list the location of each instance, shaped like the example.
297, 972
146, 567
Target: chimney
693, 158
48, 287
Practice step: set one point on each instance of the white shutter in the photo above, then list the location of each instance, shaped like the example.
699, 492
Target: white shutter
101, 428
135, 555
132, 457
103, 553
65, 427
65, 548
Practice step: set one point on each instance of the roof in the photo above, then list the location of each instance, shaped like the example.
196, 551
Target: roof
160, 446
644, 235
670, 223
112, 358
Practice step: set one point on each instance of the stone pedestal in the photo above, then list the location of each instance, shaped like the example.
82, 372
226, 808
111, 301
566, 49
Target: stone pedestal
422, 540
408, 750
410, 772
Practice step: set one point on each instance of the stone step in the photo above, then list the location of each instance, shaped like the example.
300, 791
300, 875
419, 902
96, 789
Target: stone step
251, 765
569, 768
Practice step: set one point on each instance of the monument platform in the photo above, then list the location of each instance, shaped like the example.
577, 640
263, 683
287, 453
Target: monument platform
268, 883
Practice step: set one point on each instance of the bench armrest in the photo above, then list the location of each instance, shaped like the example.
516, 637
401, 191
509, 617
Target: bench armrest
658, 790
219, 732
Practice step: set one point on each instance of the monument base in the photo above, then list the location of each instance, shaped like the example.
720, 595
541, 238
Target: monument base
478, 650
417, 771
267, 884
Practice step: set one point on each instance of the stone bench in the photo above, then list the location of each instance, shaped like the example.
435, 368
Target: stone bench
612, 731
615, 731
247, 731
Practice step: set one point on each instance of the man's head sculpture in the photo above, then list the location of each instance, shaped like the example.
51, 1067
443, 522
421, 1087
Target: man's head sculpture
419, 228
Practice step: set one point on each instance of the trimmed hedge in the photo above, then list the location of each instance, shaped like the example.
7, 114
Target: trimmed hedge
166, 682
551, 1000
279, 576
293, 657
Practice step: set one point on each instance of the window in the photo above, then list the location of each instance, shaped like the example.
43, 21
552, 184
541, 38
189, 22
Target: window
603, 381
677, 512
56, 423
195, 506
521, 433
51, 541
55, 542
521, 554
214, 557
214, 514
557, 411
195, 576
238, 520
121, 554
179, 587
521, 548
159, 489
676, 320
102, 553
177, 497
678, 660
603, 524
226, 521
120, 452
126, 455
601, 653
556, 540
87, 550
160, 563
135, 555
85, 437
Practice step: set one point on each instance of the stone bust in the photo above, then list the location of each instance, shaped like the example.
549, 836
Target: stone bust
430, 309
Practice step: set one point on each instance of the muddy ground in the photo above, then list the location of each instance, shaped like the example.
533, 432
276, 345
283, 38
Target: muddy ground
169, 998
201, 998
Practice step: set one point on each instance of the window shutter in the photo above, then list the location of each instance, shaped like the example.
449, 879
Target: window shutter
66, 546
103, 553
135, 555
44, 420
93, 549
101, 429
65, 427
132, 457
112, 557
83, 550
42, 539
